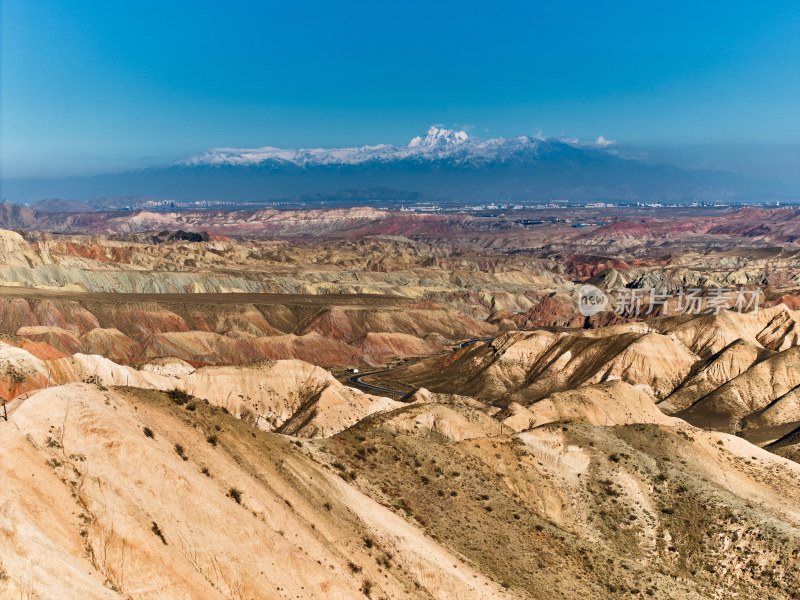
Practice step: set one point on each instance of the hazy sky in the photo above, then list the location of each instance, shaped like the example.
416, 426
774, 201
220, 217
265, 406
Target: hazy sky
100, 86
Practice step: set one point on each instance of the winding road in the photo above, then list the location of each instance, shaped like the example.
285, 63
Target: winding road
356, 380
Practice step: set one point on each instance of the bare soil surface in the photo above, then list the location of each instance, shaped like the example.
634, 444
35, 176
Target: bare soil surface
192, 298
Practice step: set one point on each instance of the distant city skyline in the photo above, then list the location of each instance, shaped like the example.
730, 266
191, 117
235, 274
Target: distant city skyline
91, 87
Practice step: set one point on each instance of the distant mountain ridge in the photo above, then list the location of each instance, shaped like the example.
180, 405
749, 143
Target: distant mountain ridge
443, 163
436, 144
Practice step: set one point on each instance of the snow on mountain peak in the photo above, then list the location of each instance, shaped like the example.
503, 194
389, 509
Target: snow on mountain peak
438, 143
436, 137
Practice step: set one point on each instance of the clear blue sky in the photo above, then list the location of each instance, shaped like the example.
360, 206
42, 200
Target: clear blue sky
99, 86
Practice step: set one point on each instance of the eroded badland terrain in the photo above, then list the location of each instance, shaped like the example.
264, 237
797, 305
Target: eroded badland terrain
360, 403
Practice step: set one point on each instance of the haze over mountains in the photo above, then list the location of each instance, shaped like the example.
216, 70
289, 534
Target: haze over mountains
443, 165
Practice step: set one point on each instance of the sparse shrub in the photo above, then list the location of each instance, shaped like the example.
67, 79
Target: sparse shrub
148, 432
179, 397
327, 506
236, 495
368, 542
608, 488
205, 471
181, 452
613, 457
247, 415
212, 439
16, 376
354, 568
157, 530
191, 406
385, 560
425, 480
366, 587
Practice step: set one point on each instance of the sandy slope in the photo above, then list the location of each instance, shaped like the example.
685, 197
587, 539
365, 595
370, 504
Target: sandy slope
275, 395
591, 492
81, 453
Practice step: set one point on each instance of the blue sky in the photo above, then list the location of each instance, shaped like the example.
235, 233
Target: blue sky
101, 86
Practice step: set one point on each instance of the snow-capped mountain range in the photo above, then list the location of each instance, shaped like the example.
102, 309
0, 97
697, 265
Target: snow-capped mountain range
436, 144
446, 165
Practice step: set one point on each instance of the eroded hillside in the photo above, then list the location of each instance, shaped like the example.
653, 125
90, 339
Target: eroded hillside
435, 499
188, 398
